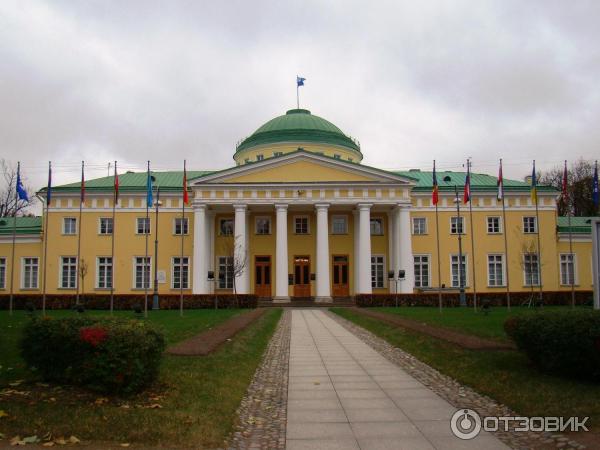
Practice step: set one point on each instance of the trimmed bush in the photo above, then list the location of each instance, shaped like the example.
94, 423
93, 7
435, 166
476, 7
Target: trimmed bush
105, 355
566, 343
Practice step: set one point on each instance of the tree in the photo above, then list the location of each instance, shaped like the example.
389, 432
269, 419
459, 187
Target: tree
580, 176
9, 205
237, 261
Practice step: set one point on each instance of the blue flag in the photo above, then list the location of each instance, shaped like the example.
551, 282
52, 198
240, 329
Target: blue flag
21, 193
595, 194
49, 189
149, 189
300, 80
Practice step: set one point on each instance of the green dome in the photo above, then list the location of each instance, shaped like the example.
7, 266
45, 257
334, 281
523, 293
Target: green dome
298, 125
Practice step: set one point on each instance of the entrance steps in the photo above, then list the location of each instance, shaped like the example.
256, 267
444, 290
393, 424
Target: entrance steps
306, 302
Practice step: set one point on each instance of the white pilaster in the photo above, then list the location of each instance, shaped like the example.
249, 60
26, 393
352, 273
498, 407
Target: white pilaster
354, 263
406, 262
323, 279
242, 281
364, 245
281, 255
201, 251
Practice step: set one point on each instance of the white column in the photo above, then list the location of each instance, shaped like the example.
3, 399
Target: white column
355, 263
201, 251
242, 281
364, 245
391, 233
281, 255
406, 262
211, 256
323, 279
396, 266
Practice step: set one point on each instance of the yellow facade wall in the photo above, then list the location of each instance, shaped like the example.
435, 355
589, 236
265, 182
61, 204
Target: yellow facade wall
271, 150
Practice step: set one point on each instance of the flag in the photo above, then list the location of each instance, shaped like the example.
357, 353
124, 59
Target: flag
49, 188
21, 192
116, 184
500, 183
82, 199
300, 81
149, 188
564, 192
595, 195
434, 193
467, 190
186, 199
533, 185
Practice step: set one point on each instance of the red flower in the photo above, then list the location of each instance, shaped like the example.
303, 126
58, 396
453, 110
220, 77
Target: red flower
93, 335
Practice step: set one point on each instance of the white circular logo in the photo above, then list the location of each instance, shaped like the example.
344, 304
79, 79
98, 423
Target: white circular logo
465, 424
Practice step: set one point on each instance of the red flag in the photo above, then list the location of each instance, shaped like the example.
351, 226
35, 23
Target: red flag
565, 193
434, 193
467, 191
116, 185
186, 199
500, 183
82, 184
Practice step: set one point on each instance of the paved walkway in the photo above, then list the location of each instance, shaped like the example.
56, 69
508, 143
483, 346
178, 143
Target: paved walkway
342, 394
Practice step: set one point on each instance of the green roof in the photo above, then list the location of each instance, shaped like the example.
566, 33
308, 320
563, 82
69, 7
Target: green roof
479, 181
24, 225
298, 125
580, 225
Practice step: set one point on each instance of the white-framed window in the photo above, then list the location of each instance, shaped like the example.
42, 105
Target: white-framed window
457, 225
226, 227
263, 225
104, 272
336, 156
494, 225
225, 272
376, 226
301, 225
142, 225
2, 273
180, 272
529, 224
260, 157
531, 269
277, 153
421, 263
419, 225
141, 272
339, 224
455, 270
29, 272
68, 272
377, 271
105, 225
69, 225
180, 226
568, 269
495, 270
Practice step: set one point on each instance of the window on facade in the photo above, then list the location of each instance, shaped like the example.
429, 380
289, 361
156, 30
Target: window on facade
493, 225
277, 153
180, 277
69, 225
457, 225
260, 157
2, 273
495, 270
301, 225
336, 156
531, 269
529, 224
567, 269
376, 226
226, 227
143, 225
225, 272
105, 272
419, 225
181, 225
30, 273
377, 271
142, 272
339, 225
68, 272
246, 161
263, 225
455, 271
421, 263
106, 225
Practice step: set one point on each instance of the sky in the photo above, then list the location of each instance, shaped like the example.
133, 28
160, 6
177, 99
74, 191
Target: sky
413, 81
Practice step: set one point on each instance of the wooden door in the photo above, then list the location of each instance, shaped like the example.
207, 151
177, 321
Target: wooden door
262, 275
302, 276
340, 276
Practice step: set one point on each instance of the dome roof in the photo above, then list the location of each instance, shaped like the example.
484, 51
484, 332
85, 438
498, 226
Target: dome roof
298, 125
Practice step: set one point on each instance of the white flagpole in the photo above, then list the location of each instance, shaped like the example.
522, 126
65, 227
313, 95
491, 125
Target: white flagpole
14, 240
146, 232
48, 197
81, 200
537, 220
112, 252
182, 249
472, 237
504, 230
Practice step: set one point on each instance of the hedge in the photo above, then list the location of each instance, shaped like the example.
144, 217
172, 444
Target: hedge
560, 342
103, 354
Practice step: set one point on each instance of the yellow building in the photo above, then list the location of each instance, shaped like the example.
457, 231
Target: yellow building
297, 216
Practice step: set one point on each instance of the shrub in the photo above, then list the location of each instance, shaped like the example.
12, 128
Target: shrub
106, 355
561, 342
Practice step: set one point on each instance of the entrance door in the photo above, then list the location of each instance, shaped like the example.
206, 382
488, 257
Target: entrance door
340, 276
262, 273
301, 276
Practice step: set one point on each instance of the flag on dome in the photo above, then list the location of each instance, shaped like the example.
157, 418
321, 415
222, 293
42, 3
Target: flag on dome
300, 81
500, 183
434, 193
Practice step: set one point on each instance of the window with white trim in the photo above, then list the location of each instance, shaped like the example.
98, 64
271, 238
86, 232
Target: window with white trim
495, 270
531, 269
277, 153
180, 226
419, 225
226, 227
339, 225
301, 225
142, 267
2, 273
263, 225
30, 269
69, 225
421, 264
567, 269
105, 225
105, 272
529, 224
143, 225
336, 156
376, 226
225, 272
260, 157
457, 225
455, 270
494, 225
68, 272
180, 273
377, 271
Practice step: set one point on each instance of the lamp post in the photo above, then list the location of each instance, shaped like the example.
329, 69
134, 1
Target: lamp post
459, 229
155, 304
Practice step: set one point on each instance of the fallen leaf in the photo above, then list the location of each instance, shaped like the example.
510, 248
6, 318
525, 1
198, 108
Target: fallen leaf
15, 383
1, 435
60, 441
316, 383
48, 444
52, 399
17, 441
74, 440
3, 413
31, 439
101, 400
153, 406
125, 444
125, 406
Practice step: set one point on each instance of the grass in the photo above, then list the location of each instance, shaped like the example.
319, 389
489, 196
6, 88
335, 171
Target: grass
197, 397
505, 376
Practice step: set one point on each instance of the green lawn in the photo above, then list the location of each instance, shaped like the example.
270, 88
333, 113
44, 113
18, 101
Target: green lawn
506, 376
196, 396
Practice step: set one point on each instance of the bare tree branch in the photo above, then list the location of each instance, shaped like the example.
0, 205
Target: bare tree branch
10, 206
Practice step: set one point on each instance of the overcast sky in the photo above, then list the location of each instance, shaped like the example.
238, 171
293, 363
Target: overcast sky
411, 80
